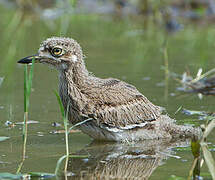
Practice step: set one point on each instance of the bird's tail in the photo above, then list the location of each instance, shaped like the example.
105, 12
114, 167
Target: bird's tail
167, 124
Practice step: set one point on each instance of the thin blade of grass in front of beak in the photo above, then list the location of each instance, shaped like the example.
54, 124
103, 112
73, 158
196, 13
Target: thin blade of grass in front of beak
25, 87
28, 77
27, 91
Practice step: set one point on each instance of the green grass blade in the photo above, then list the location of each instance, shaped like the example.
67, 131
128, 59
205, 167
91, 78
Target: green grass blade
208, 129
209, 159
60, 104
59, 163
25, 87
31, 76
65, 120
66, 136
80, 123
29, 83
28, 77
27, 91
206, 153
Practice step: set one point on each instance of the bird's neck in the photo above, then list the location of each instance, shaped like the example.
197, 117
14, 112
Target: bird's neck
71, 81
76, 75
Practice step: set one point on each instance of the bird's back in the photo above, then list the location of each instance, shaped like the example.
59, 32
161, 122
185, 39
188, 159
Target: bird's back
118, 104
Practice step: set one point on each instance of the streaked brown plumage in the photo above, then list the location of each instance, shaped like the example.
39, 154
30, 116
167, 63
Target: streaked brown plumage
118, 111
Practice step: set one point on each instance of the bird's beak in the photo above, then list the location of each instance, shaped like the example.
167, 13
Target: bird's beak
28, 59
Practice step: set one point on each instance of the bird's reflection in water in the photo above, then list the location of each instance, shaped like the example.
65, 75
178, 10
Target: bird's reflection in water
122, 161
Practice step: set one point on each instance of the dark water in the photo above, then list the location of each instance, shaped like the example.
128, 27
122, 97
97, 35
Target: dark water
122, 49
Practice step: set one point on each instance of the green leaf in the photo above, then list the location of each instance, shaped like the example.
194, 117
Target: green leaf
60, 104
209, 128
195, 147
30, 77
80, 123
209, 159
25, 87
3, 138
59, 163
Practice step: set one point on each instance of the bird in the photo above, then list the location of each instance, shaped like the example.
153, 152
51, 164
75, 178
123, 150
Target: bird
105, 109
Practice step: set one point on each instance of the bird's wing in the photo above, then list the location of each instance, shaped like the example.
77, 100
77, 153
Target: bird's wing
118, 104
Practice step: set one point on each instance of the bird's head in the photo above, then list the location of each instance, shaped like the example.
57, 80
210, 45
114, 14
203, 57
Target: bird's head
58, 52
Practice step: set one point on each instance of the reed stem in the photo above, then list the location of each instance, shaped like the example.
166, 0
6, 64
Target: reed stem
166, 65
28, 77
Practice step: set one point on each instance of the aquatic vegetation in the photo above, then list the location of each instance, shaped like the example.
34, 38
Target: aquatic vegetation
28, 77
65, 120
203, 83
64, 114
166, 66
202, 115
201, 145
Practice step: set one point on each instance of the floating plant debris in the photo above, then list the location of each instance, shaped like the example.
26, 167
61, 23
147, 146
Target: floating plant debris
8, 123
12, 124
63, 131
203, 83
29, 122
201, 114
55, 124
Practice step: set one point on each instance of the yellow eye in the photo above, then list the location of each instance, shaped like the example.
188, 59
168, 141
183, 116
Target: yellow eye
56, 52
